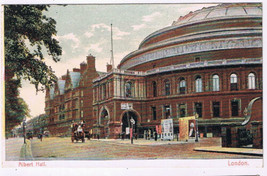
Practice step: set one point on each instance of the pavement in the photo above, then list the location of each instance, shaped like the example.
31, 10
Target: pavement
240, 151
57, 148
150, 142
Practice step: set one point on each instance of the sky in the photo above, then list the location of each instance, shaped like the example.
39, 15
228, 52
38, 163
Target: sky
85, 29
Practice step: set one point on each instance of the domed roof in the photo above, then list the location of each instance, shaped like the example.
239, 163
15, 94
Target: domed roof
221, 11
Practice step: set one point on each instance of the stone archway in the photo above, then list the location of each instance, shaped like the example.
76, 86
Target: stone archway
104, 120
125, 119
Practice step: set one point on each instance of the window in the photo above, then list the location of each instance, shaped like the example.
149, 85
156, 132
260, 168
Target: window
182, 86
167, 87
197, 59
251, 81
81, 103
216, 109
233, 81
198, 84
234, 107
81, 92
215, 83
81, 114
198, 109
181, 110
128, 89
154, 113
154, 86
167, 112
104, 91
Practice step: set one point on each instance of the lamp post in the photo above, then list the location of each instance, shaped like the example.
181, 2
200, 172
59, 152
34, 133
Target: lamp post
121, 131
196, 116
24, 130
132, 122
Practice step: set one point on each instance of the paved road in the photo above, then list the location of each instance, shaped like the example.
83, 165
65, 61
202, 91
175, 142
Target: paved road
62, 148
12, 148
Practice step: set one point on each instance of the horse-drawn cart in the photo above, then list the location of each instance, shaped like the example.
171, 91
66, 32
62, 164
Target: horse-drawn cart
77, 132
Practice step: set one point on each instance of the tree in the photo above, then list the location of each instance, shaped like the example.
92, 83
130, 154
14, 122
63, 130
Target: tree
27, 31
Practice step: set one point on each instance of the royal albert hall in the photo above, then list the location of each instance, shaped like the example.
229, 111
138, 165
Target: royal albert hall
207, 62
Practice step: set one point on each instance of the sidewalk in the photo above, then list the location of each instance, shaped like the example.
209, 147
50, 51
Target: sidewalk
144, 142
241, 151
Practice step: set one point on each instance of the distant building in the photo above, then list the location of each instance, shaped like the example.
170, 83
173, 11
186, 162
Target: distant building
70, 100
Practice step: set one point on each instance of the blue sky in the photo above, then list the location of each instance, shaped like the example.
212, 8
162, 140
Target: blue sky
85, 29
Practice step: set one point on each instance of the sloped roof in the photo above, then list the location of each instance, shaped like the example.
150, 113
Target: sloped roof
101, 73
61, 85
75, 79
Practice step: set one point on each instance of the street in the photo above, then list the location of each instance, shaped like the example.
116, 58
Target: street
54, 148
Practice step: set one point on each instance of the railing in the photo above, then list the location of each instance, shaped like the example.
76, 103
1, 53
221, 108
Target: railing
212, 63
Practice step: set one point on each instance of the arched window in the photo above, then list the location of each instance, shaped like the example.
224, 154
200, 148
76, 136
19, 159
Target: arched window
167, 87
233, 81
129, 89
154, 86
182, 86
215, 83
251, 81
198, 84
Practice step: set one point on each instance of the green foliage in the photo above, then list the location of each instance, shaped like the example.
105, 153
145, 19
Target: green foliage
16, 108
27, 35
27, 26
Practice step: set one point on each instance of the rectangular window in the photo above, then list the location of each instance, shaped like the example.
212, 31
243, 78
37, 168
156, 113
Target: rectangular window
154, 113
198, 109
81, 114
234, 86
182, 110
182, 90
234, 107
167, 112
216, 109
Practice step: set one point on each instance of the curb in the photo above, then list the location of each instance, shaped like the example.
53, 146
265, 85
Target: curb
26, 151
229, 152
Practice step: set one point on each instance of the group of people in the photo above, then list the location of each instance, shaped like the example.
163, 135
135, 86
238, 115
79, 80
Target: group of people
78, 127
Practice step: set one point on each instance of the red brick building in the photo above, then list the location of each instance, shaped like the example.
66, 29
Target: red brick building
207, 62
70, 100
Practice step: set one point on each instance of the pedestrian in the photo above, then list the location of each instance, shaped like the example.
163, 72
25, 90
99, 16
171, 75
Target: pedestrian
41, 137
98, 136
156, 136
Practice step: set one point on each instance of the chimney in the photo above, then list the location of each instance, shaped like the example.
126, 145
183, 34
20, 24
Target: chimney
109, 67
83, 66
91, 62
63, 77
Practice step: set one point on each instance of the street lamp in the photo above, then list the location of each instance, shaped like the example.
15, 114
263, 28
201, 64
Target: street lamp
132, 122
196, 116
24, 130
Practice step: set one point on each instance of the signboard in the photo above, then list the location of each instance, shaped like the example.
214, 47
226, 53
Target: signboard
167, 129
184, 127
126, 106
127, 130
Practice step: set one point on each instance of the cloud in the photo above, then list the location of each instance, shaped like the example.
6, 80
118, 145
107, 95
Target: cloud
146, 18
138, 27
151, 17
117, 33
89, 34
95, 47
72, 37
